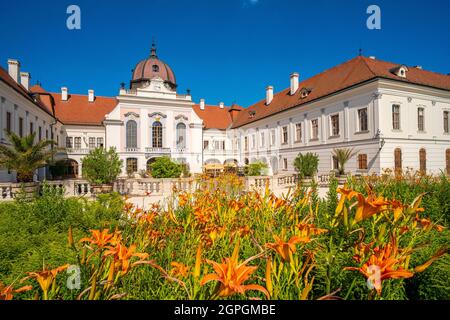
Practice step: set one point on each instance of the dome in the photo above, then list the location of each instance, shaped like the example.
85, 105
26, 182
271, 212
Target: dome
150, 68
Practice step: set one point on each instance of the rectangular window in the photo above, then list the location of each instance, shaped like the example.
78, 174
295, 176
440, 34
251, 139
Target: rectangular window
31, 127
46, 134
421, 119
253, 141
91, 142
285, 163
21, 127
362, 117
263, 142
446, 124
335, 163
77, 144
284, 135
273, 137
205, 144
362, 161
8, 121
298, 132
69, 142
99, 142
246, 143
223, 145
315, 129
334, 125
132, 166
40, 133
396, 117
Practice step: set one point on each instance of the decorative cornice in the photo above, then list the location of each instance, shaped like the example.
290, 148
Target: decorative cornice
180, 116
113, 122
377, 95
128, 114
409, 99
433, 103
157, 114
195, 125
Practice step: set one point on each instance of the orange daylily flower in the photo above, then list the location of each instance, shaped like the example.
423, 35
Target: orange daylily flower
346, 194
385, 263
7, 292
231, 274
367, 207
179, 269
397, 207
45, 278
308, 229
103, 238
122, 256
286, 249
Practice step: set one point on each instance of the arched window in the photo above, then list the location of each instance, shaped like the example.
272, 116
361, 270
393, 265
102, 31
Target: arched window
447, 160
131, 141
423, 160
157, 134
398, 160
181, 135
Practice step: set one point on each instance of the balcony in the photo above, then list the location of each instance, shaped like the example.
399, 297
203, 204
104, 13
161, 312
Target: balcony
157, 150
132, 150
77, 150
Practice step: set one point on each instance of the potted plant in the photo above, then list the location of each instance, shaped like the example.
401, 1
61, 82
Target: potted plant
342, 157
24, 156
101, 168
306, 165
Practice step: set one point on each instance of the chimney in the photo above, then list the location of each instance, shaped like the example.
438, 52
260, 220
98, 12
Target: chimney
25, 79
14, 69
91, 96
294, 83
234, 111
221, 105
202, 104
418, 67
269, 95
372, 57
64, 94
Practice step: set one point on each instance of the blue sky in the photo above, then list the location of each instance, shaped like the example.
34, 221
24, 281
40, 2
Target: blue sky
223, 50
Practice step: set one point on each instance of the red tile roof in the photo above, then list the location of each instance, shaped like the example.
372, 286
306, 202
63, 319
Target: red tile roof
5, 77
215, 117
343, 76
77, 110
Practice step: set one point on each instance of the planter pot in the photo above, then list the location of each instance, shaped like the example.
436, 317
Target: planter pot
101, 188
28, 190
341, 179
306, 181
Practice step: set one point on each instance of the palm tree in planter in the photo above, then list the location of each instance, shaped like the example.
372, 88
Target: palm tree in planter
306, 165
24, 156
101, 168
342, 157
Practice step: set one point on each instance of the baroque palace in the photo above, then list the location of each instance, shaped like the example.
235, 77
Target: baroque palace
394, 116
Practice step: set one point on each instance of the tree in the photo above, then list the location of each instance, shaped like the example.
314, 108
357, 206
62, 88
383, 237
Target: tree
25, 156
101, 166
164, 167
255, 169
306, 164
342, 156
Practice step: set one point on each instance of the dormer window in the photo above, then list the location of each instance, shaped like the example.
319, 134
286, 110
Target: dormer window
251, 114
155, 68
305, 92
400, 71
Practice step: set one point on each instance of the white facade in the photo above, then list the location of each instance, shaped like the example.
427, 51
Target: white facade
389, 124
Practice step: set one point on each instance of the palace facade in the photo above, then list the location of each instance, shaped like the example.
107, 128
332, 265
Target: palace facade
392, 115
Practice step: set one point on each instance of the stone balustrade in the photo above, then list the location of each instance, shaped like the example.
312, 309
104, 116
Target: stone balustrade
148, 187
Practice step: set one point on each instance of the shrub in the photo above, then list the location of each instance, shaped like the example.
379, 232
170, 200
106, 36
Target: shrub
101, 166
306, 164
164, 167
256, 169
